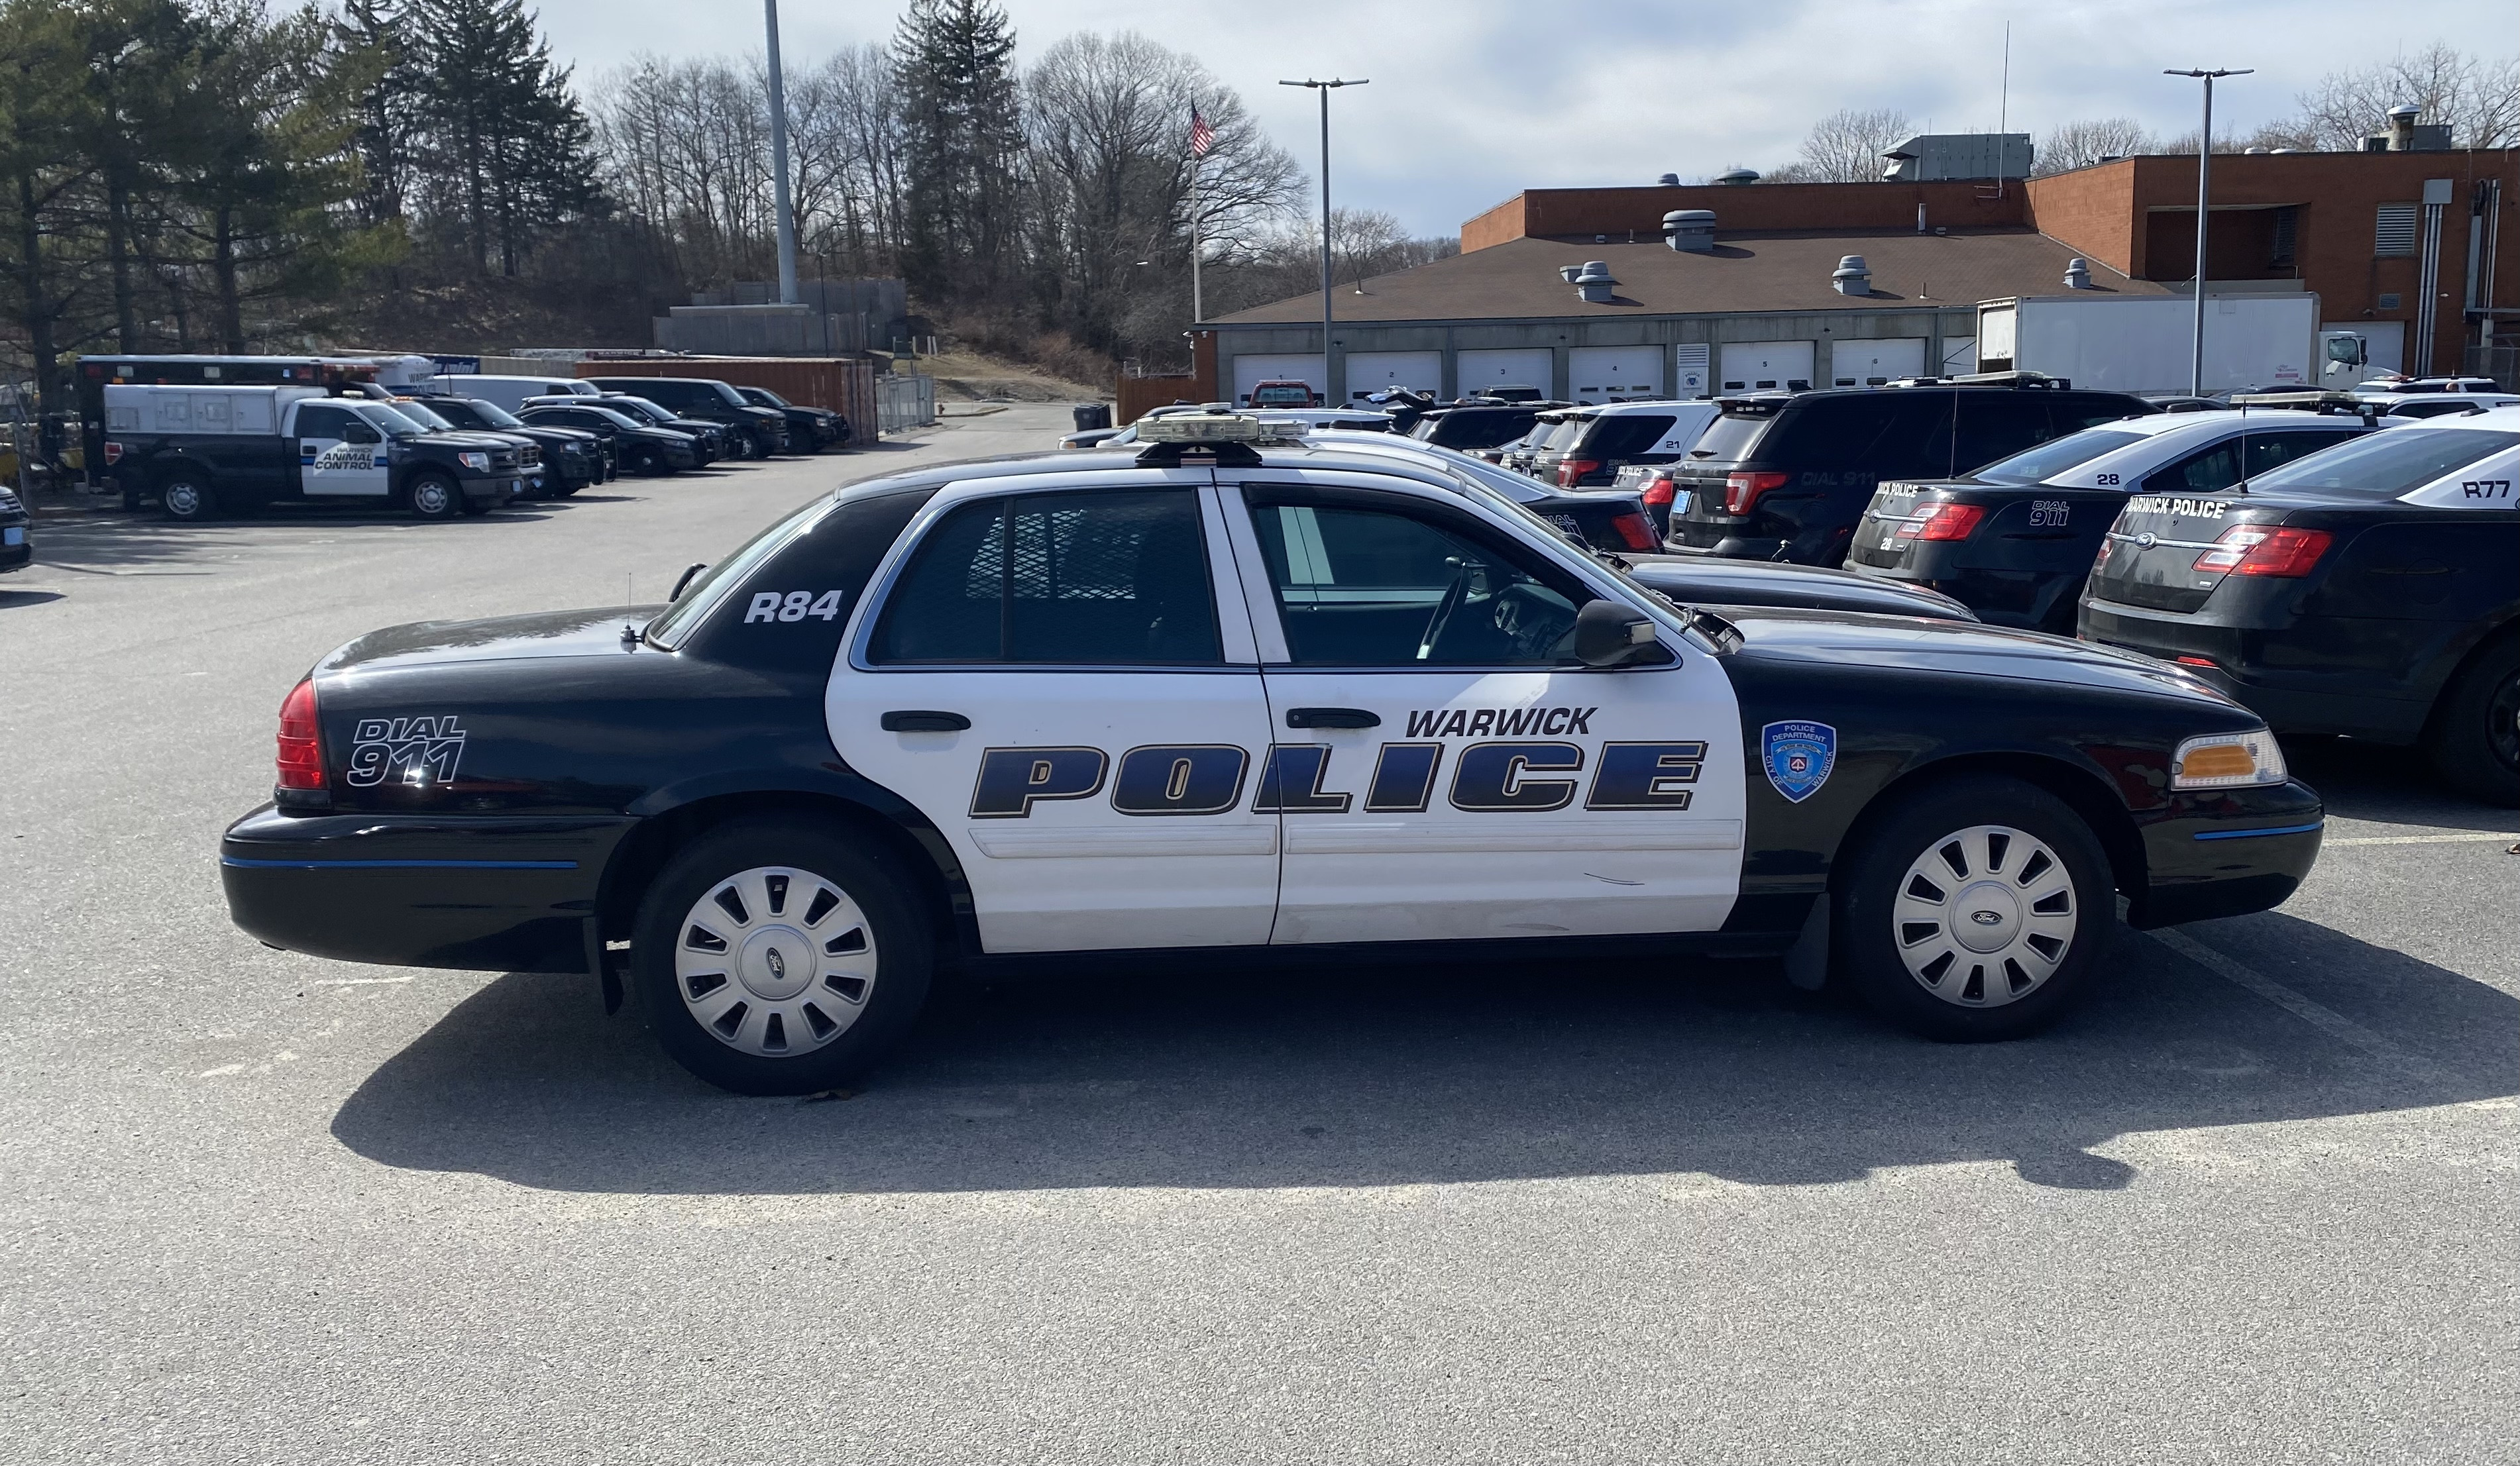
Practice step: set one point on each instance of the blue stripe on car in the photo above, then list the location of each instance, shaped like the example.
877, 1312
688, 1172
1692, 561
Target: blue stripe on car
2249, 834
230, 859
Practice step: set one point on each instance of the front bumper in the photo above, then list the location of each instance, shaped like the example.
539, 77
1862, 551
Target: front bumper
487, 893
2228, 852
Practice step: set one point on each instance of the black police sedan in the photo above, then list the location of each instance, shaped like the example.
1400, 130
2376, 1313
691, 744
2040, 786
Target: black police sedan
2372, 590
1279, 697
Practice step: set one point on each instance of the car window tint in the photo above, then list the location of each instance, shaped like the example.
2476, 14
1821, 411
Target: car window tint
1990, 426
320, 421
2386, 464
1625, 436
2203, 472
2057, 455
2266, 451
1733, 437
1374, 587
1115, 578
1854, 432
2074, 413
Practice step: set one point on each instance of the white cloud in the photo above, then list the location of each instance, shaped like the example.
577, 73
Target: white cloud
1475, 100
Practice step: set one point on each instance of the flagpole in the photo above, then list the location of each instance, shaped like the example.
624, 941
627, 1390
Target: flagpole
1198, 302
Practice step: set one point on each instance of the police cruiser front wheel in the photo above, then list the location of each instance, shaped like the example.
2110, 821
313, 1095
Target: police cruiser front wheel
773, 957
1973, 909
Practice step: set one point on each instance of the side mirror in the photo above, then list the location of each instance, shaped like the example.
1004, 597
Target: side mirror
1614, 634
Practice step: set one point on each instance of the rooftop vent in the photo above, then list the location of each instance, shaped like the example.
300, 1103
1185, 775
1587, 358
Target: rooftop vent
2406, 132
1669, 180
1690, 231
1737, 176
1852, 277
1567, 272
1593, 282
2078, 274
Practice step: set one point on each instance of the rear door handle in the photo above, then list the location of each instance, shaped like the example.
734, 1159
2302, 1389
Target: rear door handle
924, 721
1331, 717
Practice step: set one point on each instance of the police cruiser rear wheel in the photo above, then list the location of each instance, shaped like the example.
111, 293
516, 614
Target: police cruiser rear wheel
1973, 909
2474, 741
774, 959
184, 497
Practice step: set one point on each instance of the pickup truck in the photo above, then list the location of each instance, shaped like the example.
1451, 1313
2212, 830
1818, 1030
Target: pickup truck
198, 450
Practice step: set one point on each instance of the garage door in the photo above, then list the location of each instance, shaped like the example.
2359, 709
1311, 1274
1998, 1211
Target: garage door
1870, 364
1248, 370
1530, 367
1749, 366
1614, 373
1370, 371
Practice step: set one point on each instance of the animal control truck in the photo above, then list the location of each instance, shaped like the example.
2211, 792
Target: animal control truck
2144, 343
203, 449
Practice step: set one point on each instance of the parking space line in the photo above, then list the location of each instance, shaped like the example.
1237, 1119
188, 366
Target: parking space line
2308, 1010
2474, 837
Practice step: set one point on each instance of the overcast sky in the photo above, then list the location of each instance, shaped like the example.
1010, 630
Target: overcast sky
1474, 100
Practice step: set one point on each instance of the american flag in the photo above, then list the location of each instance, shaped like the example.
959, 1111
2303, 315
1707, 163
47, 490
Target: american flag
1202, 137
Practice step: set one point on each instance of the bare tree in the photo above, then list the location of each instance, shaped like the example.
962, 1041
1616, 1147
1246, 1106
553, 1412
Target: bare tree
2080, 144
2477, 99
1847, 145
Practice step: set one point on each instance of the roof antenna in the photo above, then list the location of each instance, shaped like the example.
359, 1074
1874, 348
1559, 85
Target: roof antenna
630, 634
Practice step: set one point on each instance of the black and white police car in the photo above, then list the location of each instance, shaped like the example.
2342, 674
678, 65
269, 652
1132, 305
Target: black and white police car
2014, 540
1217, 695
2372, 591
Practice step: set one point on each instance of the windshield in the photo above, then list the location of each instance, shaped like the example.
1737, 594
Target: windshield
384, 417
639, 407
427, 417
618, 420
763, 396
492, 414
712, 586
2386, 464
2050, 459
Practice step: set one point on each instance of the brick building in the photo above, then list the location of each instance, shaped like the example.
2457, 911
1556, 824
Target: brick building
2365, 231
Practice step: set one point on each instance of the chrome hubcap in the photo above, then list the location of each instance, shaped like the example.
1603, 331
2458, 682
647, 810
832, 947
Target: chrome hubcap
431, 497
1984, 917
183, 497
775, 961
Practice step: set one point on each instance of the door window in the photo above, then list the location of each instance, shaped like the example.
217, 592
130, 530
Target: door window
1115, 578
1370, 586
2268, 450
1990, 426
323, 422
2205, 472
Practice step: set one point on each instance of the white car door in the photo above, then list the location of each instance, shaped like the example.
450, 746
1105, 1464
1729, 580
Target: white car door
338, 453
1444, 767
1048, 672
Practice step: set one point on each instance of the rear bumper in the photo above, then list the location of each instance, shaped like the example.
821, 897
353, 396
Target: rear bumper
489, 893
2291, 702
2228, 852
17, 545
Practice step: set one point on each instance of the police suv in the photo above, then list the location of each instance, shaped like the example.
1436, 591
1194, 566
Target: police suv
1231, 692
205, 449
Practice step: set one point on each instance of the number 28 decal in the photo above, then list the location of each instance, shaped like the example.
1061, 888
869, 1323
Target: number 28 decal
792, 606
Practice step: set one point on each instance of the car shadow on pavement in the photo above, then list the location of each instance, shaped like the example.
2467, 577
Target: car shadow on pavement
1343, 1075
9, 599
124, 542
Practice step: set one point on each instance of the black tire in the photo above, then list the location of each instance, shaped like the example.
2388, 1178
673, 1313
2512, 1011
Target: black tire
187, 497
434, 497
895, 936
648, 461
1972, 998
2473, 738
738, 446
568, 488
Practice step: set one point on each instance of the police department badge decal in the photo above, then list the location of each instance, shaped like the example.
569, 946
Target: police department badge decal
1799, 757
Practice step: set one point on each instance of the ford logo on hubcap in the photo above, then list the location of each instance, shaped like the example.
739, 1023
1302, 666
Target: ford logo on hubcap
779, 964
1982, 918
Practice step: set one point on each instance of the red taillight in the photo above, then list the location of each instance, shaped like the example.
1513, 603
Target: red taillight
2205, 662
1659, 490
2264, 550
1741, 491
112, 451
1943, 521
1571, 472
1633, 531
302, 748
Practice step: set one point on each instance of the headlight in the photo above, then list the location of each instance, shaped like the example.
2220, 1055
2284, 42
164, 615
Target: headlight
2224, 761
478, 463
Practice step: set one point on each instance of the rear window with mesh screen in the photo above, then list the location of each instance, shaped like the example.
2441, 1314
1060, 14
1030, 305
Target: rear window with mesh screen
1116, 578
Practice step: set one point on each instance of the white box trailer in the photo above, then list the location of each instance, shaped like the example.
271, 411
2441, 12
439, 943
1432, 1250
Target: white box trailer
2144, 343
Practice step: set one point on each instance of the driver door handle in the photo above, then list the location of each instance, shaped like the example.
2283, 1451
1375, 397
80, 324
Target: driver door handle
922, 721
1331, 717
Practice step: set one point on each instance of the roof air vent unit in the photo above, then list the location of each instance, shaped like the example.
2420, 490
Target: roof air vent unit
1669, 180
1690, 231
1593, 282
1567, 272
1852, 277
1736, 176
2078, 274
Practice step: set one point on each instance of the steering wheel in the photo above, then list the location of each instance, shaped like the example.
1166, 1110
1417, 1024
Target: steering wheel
1444, 609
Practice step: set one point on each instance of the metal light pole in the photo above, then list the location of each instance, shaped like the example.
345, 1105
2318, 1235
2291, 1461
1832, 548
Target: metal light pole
779, 160
1324, 88
2204, 175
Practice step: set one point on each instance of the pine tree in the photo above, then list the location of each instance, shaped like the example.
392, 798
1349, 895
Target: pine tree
509, 150
378, 81
961, 113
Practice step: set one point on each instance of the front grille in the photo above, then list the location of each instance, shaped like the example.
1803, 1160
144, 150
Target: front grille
533, 457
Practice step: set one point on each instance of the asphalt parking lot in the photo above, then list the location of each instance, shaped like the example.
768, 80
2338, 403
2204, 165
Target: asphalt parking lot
2255, 1202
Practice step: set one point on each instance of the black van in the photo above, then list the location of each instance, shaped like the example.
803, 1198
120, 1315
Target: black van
758, 431
1785, 476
